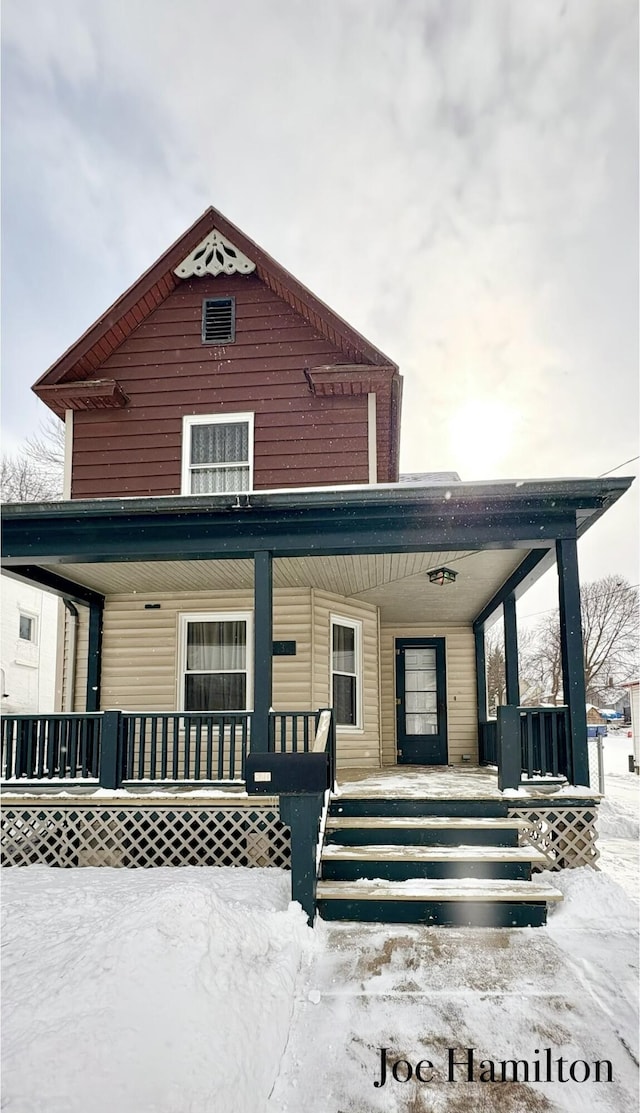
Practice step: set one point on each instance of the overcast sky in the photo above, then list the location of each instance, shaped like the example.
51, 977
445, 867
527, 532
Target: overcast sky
457, 178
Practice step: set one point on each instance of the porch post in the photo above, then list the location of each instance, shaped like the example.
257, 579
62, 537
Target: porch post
572, 652
262, 650
511, 650
94, 656
481, 673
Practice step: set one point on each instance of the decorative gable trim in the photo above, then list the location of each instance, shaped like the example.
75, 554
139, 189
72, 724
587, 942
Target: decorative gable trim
94, 394
214, 255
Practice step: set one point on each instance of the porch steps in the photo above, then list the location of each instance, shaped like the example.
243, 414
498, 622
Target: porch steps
452, 903
440, 830
401, 863
430, 861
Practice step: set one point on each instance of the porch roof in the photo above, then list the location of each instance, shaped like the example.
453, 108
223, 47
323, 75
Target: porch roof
40, 541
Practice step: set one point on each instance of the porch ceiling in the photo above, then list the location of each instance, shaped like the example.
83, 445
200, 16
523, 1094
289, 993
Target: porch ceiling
395, 582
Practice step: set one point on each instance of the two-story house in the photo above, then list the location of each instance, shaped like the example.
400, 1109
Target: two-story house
240, 551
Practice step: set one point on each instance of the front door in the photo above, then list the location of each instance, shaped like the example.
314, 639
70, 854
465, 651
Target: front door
421, 701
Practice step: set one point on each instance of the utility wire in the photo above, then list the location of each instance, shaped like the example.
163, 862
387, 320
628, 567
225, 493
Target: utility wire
631, 461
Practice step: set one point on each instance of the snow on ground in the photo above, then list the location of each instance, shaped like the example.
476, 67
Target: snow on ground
618, 815
146, 991
203, 991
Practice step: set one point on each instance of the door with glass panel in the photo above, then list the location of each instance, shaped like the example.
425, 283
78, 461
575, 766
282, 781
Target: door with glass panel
421, 701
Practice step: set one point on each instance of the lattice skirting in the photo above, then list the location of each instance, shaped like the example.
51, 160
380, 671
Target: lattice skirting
130, 836
566, 834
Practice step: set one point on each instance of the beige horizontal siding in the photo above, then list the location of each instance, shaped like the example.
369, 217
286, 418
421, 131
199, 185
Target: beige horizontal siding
355, 749
140, 647
462, 707
81, 654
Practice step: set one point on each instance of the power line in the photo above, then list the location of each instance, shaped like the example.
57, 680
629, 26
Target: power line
617, 468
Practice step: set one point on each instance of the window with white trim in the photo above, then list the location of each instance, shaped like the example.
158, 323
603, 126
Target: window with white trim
217, 453
27, 628
215, 669
346, 671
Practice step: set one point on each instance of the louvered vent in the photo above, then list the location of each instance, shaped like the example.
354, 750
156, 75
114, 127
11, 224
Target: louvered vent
218, 320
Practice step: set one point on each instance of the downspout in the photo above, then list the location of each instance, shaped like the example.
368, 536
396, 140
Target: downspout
69, 701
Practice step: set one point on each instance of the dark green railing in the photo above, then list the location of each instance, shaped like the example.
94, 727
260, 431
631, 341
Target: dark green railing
184, 746
543, 740
41, 747
488, 742
114, 747
292, 732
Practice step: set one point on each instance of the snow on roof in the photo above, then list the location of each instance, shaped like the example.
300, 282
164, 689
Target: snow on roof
430, 477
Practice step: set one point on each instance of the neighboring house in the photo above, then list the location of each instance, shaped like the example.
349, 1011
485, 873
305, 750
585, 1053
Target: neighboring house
29, 631
594, 718
241, 550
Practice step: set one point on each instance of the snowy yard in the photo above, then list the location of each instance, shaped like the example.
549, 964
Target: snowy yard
203, 991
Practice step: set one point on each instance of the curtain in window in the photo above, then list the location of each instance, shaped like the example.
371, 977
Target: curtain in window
214, 646
220, 443
219, 481
344, 649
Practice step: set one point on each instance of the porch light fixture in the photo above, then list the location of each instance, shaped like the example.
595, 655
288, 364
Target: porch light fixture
442, 576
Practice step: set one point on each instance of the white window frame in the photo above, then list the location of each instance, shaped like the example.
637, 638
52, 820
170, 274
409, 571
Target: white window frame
34, 620
354, 624
189, 420
214, 616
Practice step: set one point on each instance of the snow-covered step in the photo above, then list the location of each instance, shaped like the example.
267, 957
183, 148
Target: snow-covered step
362, 803
422, 830
454, 902
402, 862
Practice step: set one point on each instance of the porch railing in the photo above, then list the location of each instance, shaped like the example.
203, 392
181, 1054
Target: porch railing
113, 747
543, 741
543, 749
41, 747
488, 742
184, 746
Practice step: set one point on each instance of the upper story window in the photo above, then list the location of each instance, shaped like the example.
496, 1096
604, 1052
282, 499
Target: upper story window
217, 454
218, 320
346, 671
27, 628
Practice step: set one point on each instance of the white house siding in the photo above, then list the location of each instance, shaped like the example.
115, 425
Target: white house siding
29, 668
462, 707
356, 749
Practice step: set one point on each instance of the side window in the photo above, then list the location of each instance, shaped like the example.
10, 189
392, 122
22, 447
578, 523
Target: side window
346, 671
27, 628
215, 668
217, 454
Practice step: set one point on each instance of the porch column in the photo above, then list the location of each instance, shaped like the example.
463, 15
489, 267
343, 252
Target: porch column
512, 679
481, 673
262, 650
572, 652
94, 656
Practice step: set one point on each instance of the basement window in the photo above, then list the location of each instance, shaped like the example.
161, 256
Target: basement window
217, 454
218, 320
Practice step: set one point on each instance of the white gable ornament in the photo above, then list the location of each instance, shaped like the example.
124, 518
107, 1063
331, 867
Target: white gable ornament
215, 255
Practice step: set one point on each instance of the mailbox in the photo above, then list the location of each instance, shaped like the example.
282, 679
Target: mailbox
286, 774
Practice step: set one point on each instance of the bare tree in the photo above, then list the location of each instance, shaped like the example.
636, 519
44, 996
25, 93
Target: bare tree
610, 629
34, 474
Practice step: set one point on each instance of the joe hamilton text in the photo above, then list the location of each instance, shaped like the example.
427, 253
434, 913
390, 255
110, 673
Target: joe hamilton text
463, 1064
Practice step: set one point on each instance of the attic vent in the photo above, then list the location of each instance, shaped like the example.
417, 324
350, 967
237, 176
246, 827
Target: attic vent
218, 320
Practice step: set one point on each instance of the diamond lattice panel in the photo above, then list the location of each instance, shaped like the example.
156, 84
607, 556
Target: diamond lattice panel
566, 835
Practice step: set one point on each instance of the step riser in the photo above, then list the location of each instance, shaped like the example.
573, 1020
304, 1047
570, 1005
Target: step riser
404, 871
445, 836
470, 809
502, 914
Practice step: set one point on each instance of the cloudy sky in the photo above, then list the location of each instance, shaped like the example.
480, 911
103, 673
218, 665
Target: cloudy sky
457, 178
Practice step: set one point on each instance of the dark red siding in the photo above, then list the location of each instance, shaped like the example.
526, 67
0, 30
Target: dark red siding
166, 372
